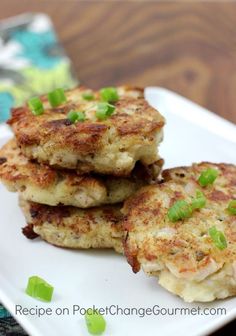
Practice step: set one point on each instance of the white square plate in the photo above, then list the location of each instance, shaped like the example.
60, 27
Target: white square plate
103, 278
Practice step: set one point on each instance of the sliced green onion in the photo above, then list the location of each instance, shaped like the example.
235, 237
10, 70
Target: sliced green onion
81, 116
88, 95
95, 322
72, 116
199, 201
75, 116
207, 177
56, 97
104, 110
232, 207
179, 210
218, 238
39, 289
109, 94
36, 105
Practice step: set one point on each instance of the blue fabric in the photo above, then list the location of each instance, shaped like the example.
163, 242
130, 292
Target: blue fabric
32, 62
3, 312
8, 326
38, 47
6, 103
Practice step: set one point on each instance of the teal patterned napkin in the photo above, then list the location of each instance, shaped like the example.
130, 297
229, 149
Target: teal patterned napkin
8, 326
3, 312
32, 61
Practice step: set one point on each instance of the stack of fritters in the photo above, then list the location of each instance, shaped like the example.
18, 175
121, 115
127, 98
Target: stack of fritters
72, 177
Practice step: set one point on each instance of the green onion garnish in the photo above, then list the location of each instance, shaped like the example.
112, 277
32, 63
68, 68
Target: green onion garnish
232, 207
208, 176
179, 210
88, 95
72, 116
199, 201
109, 94
75, 116
36, 106
218, 238
104, 110
95, 322
39, 289
56, 97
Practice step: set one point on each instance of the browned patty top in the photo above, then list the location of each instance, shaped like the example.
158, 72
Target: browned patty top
185, 246
133, 117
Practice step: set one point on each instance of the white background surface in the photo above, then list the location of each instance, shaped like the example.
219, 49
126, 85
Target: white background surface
104, 278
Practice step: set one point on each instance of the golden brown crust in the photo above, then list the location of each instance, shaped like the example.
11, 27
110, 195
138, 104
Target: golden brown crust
43, 184
111, 146
73, 227
183, 249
